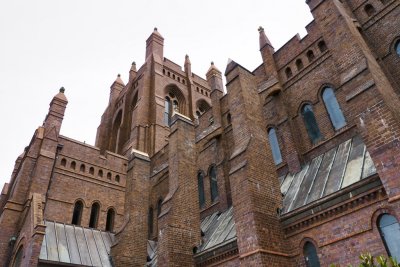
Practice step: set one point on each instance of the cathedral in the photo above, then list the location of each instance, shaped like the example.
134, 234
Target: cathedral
294, 163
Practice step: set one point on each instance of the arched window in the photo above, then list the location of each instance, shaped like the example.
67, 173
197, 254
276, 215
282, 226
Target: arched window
310, 55
73, 165
333, 108
82, 168
288, 72
369, 9
117, 178
63, 162
397, 47
109, 175
77, 213
299, 64
150, 222
18, 257
213, 183
311, 123
91, 170
229, 118
322, 46
94, 215
200, 185
390, 232
310, 255
110, 220
274, 144
159, 205
167, 110
100, 174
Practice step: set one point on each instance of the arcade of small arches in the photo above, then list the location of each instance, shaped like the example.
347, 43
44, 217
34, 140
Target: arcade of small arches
91, 171
94, 215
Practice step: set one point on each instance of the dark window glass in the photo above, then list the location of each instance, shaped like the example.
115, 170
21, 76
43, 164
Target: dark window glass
390, 232
77, 213
110, 220
333, 108
397, 47
274, 144
73, 165
94, 215
18, 257
213, 183
82, 169
311, 123
299, 64
200, 184
63, 162
310, 255
288, 72
159, 205
322, 46
167, 111
100, 173
369, 9
150, 222
310, 56
91, 170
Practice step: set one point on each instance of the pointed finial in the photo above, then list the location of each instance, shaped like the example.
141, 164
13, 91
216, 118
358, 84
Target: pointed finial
119, 75
263, 38
62, 89
134, 63
212, 63
155, 29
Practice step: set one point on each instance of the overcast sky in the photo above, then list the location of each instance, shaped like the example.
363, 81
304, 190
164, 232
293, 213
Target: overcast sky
83, 45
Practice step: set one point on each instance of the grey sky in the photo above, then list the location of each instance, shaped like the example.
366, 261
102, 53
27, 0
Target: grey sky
83, 45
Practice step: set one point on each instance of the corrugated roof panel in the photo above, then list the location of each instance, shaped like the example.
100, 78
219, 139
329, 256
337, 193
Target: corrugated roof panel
338, 168
105, 261
62, 243
94, 254
107, 240
307, 182
286, 183
369, 167
222, 224
83, 247
294, 188
76, 245
43, 250
52, 251
322, 175
232, 232
72, 245
354, 163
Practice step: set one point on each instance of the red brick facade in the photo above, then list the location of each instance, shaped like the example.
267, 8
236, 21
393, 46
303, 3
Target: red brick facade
167, 128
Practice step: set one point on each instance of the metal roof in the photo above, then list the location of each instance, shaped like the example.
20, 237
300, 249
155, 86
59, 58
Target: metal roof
74, 244
338, 168
218, 229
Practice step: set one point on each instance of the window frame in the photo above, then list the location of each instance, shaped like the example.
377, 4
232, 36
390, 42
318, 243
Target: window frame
214, 193
94, 215
200, 189
333, 108
274, 145
316, 136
